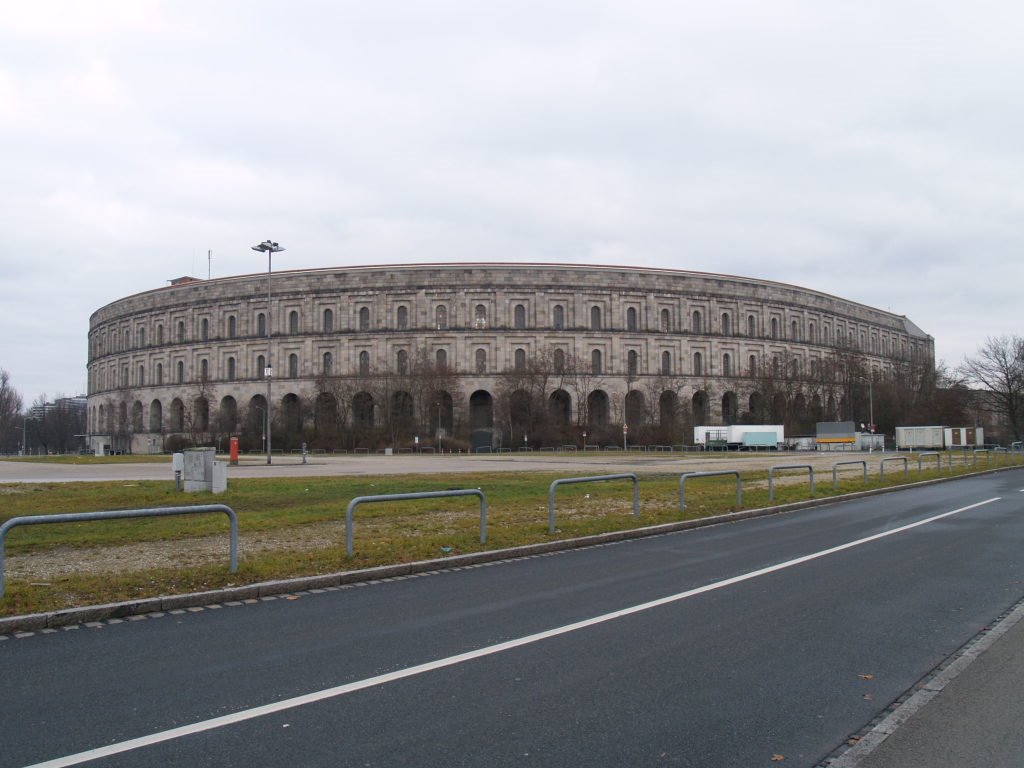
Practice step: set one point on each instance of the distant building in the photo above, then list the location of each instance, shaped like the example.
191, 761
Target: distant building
430, 349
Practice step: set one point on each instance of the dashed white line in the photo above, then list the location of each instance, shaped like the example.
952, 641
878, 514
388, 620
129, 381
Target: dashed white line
490, 650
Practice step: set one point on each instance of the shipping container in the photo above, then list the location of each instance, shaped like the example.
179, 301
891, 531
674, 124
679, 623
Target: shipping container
912, 438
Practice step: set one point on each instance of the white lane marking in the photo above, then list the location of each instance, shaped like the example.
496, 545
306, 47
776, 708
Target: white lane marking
419, 669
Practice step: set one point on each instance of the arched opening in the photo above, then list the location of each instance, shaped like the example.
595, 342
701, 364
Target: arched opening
441, 317
481, 361
402, 413
668, 408
201, 414
560, 407
726, 324
597, 408
699, 407
830, 409
666, 363
779, 408
697, 323
635, 408
730, 408
520, 316
177, 416
364, 363
632, 363
137, 416
595, 362
364, 318
756, 406
402, 362
816, 410
519, 413
156, 417
559, 317
442, 415
481, 410
559, 360
666, 321
293, 322
631, 319
328, 321
595, 318
403, 318
325, 414
256, 418
291, 414
227, 415
800, 410
362, 410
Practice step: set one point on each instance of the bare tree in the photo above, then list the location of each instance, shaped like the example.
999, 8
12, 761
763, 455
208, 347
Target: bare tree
581, 378
998, 371
10, 415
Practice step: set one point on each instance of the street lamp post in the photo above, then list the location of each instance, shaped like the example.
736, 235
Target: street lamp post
270, 248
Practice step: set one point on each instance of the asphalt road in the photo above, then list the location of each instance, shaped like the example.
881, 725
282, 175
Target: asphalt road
764, 642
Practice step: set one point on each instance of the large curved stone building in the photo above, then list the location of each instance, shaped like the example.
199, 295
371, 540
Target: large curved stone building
505, 354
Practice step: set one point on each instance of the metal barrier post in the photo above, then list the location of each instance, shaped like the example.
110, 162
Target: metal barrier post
684, 476
906, 467
980, 450
405, 496
120, 514
771, 477
936, 454
835, 471
596, 478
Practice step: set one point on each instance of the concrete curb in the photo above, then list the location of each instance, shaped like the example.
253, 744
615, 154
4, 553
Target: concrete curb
38, 621
927, 690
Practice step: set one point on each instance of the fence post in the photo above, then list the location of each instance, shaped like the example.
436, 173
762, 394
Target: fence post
406, 496
596, 478
685, 475
120, 514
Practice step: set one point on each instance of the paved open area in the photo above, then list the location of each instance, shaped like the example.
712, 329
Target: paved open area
290, 465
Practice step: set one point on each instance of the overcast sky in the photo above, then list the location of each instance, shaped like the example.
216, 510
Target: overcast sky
873, 150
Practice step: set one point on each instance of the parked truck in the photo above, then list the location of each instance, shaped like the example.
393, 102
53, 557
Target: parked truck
740, 437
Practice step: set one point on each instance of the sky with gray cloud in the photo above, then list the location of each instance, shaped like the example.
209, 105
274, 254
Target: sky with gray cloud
871, 150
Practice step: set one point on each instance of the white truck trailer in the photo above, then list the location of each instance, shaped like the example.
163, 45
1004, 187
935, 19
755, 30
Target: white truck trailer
739, 436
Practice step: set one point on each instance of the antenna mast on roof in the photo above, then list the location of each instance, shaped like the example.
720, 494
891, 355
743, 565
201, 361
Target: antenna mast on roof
209, 264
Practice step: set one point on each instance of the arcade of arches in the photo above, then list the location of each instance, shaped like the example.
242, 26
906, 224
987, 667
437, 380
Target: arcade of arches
370, 419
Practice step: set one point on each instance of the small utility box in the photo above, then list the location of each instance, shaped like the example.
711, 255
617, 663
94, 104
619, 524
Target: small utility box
220, 476
178, 466
199, 469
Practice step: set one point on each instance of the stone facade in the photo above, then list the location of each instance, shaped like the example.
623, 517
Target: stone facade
152, 354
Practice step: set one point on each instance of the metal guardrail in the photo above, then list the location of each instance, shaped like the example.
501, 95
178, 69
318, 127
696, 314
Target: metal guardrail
120, 514
1006, 455
980, 450
407, 496
938, 459
771, 477
835, 471
718, 473
881, 466
594, 479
